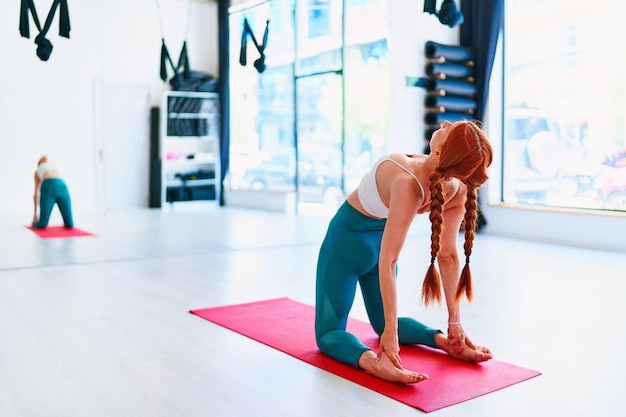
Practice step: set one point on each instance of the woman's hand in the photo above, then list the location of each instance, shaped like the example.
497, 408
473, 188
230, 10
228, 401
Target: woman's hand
390, 346
457, 336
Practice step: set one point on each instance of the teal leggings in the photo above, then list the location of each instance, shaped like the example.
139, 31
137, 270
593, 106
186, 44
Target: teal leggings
349, 254
54, 191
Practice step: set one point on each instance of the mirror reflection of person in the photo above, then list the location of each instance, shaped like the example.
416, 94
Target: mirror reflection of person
50, 189
365, 238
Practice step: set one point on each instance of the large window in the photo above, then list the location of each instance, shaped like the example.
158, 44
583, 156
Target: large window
564, 104
311, 122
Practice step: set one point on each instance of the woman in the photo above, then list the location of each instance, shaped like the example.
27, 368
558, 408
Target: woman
364, 240
50, 189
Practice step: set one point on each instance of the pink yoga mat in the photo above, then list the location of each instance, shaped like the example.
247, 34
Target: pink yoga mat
287, 325
59, 231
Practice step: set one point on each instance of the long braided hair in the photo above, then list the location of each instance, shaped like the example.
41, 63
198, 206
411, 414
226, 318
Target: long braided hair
464, 155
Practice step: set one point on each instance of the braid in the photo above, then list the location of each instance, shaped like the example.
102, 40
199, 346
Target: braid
431, 288
465, 154
471, 214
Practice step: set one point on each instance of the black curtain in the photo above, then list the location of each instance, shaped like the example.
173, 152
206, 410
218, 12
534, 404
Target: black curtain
224, 58
480, 31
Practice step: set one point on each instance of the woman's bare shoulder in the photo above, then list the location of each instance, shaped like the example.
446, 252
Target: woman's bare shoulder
455, 193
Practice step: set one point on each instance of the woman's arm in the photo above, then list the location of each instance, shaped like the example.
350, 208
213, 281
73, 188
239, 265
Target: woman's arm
403, 205
449, 263
36, 197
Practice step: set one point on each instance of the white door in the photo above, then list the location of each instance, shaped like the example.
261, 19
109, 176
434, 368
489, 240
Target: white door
122, 144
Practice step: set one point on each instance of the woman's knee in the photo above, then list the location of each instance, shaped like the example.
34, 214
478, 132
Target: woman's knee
322, 345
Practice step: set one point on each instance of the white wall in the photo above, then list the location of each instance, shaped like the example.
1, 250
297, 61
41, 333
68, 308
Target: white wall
409, 29
48, 107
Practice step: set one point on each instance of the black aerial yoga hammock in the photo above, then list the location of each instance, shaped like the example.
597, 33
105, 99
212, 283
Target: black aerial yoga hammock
44, 46
183, 61
259, 64
185, 80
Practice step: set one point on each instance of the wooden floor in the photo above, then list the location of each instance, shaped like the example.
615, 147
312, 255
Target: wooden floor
100, 326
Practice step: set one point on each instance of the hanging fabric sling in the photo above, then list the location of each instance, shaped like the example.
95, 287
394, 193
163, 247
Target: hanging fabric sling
184, 79
183, 61
44, 46
259, 64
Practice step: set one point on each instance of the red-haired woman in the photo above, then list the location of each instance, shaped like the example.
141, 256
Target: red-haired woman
363, 243
50, 189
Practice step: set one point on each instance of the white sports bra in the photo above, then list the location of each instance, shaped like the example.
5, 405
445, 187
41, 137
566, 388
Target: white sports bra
368, 191
45, 167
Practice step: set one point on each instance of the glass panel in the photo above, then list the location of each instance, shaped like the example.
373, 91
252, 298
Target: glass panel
262, 147
319, 128
319, 35
565, 104
367, 87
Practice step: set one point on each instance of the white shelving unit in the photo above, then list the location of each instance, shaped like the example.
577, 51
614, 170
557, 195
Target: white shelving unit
190, 146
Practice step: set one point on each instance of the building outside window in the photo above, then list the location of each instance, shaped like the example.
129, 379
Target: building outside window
564, 113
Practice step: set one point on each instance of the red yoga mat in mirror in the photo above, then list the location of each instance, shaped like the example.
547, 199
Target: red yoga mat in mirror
59, 231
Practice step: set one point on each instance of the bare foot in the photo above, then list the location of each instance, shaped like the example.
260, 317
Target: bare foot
386, 370
480, 354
